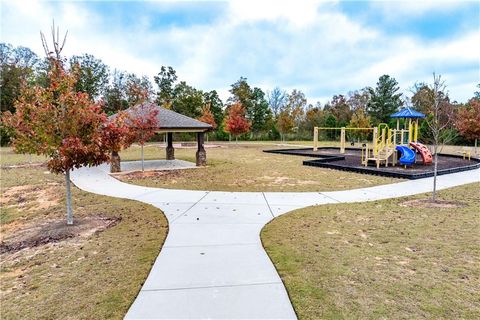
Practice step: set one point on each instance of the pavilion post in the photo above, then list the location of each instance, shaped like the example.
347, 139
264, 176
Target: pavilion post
201, 153
170, 149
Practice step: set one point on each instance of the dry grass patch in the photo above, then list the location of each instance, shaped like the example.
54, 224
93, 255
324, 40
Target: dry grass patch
37, 233
91, 270
382, 259
428, 203
245, 167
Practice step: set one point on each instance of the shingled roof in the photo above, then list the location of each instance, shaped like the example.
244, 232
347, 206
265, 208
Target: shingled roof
171, 121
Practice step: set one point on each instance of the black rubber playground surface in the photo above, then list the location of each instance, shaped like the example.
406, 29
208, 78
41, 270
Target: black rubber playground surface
330, 157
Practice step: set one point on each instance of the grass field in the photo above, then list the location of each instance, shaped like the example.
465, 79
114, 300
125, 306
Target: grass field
245, 167
383, 259
93, 270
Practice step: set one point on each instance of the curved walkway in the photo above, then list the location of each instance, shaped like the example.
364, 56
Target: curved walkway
212, 264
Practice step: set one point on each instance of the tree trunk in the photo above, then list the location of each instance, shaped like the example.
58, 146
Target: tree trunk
476, 145
435, 166
115, 162
69, 199
236, 139
143, 168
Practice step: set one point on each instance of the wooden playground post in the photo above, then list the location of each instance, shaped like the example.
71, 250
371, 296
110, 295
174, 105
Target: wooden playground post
342, 140
415, 133
315, 138
410, 131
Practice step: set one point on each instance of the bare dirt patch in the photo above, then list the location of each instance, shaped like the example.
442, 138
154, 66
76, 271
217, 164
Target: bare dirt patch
39, 197
37, 233
167, 174
428, 203
25, 165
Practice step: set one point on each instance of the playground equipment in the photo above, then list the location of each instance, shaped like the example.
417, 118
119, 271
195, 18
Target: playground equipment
342, 135
423, 151
408, 155
386, 142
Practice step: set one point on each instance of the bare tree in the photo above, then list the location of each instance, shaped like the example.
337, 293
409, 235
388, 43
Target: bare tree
439, 122
57, 46
276, 100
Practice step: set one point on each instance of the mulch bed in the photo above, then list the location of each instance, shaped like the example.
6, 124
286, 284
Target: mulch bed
351, 161
51, 231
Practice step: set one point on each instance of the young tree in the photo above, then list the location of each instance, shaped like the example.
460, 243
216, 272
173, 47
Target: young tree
384, 99
236, 122
58, 122
117, 135
439, 121
144, 123
468, 121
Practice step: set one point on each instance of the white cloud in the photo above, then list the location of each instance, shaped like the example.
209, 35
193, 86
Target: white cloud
307, 45
295, 13
394, 9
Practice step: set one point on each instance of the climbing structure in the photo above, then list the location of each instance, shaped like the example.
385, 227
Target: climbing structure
388, 142
423, 151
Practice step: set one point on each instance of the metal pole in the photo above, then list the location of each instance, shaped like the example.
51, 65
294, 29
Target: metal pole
142, 159
69, 199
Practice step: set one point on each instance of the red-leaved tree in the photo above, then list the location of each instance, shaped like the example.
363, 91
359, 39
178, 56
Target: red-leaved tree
207, 117
57, 122
117, 135
468, 121
236, 123
143, 119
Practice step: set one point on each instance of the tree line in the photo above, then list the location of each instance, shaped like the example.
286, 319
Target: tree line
249, 113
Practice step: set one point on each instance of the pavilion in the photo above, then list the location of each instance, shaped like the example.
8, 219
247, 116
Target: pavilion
172, 122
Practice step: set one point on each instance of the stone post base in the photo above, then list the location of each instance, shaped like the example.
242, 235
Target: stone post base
201, 158
115, 162
170, 153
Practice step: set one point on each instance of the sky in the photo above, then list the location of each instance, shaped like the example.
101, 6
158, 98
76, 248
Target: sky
321, 48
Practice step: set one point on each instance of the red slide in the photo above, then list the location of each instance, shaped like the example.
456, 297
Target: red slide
424, 152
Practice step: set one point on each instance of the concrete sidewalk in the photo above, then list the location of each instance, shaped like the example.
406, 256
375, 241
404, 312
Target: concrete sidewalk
212, 264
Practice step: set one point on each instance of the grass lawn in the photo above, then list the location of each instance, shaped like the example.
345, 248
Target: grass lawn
91, 271
384, 259
245, 167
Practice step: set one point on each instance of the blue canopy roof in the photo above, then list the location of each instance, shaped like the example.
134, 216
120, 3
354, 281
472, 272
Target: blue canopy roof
407, 113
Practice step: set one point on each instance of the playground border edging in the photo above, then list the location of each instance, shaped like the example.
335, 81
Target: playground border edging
326, 161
